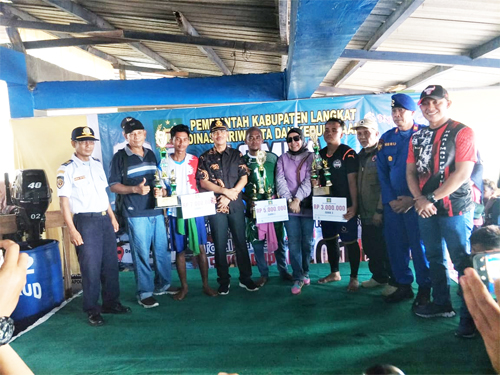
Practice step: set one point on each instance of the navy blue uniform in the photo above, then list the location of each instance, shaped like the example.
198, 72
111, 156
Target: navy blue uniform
400, 230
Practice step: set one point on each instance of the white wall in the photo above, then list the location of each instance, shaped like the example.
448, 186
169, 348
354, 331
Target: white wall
480, 109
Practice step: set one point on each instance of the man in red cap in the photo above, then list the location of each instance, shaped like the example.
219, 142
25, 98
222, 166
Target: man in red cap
440, 162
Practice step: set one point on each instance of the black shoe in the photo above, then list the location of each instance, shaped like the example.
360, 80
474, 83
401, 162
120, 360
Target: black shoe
116, 309
286, 276
148, 303
262, 281
223, 289
431, 310
423, 297
466, 328
95, 320
249, 285
403, 292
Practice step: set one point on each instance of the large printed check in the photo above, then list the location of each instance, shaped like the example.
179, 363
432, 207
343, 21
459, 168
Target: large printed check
195, 205
270, 211
329, 209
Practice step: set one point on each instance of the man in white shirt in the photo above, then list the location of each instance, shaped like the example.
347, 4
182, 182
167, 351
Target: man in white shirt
81, 187
185, 166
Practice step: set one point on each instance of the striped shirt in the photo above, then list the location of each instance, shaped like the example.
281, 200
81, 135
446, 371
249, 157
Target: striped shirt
138, 168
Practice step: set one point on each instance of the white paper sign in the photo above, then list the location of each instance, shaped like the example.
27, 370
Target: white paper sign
196, 205
271, 211
329, 209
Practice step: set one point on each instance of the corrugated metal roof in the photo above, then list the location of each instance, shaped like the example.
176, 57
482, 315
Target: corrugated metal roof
440, 27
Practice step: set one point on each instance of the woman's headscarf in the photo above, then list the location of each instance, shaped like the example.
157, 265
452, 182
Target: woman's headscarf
304, 144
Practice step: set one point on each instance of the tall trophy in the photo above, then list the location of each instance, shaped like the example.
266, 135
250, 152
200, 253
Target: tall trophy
162, 138
317, 166
261, 159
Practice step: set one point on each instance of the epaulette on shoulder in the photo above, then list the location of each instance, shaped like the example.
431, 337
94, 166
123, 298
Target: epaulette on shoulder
67, 163
96, 159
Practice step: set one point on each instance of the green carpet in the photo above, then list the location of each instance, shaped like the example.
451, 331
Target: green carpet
325, 330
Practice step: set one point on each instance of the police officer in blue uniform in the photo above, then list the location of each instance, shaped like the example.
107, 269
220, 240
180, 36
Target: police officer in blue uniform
400, 219
81, 187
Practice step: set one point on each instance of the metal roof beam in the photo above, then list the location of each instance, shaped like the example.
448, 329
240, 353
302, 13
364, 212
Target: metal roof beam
75, 28
487, 47
11, 11
143, 69
423, 58
348, 71
92, 18
188, 29
401, 14
72, 42
122, 36
283, 16
15, 39
431, 73
342, 91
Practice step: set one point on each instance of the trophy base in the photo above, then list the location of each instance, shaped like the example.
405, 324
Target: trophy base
321, 191
167, 201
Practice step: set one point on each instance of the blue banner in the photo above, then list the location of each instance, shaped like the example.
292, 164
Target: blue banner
274, 119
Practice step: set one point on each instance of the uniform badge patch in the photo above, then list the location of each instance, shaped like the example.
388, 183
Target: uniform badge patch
60, 182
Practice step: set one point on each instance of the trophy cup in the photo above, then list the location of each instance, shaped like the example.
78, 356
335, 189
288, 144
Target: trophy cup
261, 159
162, 137
173, 183
317, 165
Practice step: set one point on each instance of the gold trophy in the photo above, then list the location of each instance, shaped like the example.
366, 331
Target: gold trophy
317, 165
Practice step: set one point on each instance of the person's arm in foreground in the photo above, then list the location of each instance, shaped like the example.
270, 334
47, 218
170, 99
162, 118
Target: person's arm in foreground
12, 280
485, 312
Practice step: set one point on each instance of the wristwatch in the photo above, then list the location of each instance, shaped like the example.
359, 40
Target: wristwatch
431, 198
290, 200
6, 329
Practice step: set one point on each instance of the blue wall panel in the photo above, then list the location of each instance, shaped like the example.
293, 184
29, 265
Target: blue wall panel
319, 32
165, 91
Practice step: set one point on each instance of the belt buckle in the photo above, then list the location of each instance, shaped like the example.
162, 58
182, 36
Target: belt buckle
103, 213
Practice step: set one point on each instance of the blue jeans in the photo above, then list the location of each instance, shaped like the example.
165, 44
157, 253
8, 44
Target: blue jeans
144, 231
300, 241
439, 233
260, 257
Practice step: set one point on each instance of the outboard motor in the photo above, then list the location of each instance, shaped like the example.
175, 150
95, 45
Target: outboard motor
31, 193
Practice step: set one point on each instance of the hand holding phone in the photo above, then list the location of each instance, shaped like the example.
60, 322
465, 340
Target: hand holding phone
487, 266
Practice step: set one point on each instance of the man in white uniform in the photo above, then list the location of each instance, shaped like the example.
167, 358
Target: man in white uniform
81, 187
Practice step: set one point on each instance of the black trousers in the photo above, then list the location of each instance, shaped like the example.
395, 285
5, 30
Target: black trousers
372, 238
98, 261
219, 224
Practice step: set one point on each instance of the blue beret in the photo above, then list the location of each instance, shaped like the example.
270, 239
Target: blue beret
403, 101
